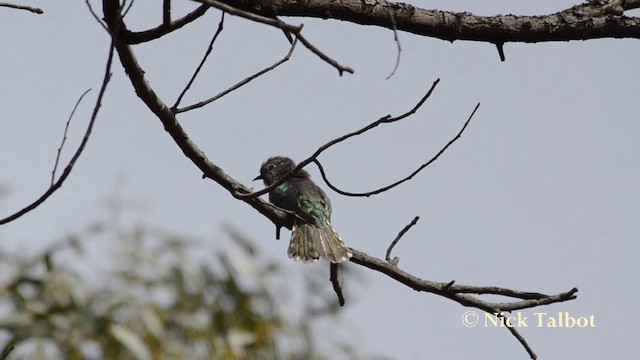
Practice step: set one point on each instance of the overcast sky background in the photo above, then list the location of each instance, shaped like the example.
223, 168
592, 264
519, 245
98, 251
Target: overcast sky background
540, 194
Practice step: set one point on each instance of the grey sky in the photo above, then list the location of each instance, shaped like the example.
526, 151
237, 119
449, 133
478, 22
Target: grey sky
540, 194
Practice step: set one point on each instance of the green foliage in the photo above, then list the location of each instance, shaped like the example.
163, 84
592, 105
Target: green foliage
152, 295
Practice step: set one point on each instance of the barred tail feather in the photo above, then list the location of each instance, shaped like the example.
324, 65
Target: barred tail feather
310, 242
301, 246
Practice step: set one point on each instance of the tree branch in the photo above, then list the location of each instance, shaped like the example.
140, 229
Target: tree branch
204, 59
590, 20
259, 15
459, 293
456, 292
111, 9
22, 7
336, 281
395, 241
407, 178
313, 158
237, 85
164, 28
56, 185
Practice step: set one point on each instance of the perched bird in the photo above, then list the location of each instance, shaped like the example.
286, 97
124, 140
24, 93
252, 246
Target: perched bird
313, 237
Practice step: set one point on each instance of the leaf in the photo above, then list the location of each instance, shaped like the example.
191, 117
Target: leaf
131, 341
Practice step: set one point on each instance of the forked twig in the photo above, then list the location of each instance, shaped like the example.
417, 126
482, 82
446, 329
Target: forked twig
414, 173
239, 84
384, 120
67, 170
64, 136
204, 59
275, 22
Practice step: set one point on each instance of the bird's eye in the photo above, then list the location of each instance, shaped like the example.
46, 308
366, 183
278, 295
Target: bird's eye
271, 167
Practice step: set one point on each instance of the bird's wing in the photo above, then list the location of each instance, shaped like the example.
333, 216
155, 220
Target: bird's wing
315, 206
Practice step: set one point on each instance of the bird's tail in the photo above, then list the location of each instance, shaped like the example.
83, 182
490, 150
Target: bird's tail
310, 242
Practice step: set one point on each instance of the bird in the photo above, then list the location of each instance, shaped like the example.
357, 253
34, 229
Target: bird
312, 235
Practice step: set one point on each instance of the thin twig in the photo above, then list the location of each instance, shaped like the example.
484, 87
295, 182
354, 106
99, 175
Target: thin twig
523, 342
500, 47
34, 10
239, 84
85, 140
95, 16
204, 59
287, 28
383, 120
336, 282
126, 11
166, 12
395, 38
390, 186
323, 56
64, 136
395, 260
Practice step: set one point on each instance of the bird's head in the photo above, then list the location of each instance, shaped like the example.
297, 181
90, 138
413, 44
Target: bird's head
276, 167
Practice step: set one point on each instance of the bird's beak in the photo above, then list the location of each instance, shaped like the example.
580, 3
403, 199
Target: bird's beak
259, 177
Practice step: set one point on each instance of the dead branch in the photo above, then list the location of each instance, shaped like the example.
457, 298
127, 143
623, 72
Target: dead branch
64, 137
239, 84
395, 241
67, 170
336, 281
204, 59
313, 158
409, 177
272, 20
396, 38
164, 28
459, 293
456, 292
34, 10
589, 20
166, 12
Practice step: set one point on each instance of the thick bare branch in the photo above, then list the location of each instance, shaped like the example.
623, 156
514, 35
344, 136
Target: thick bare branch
164, 28
590, 20
251, 15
